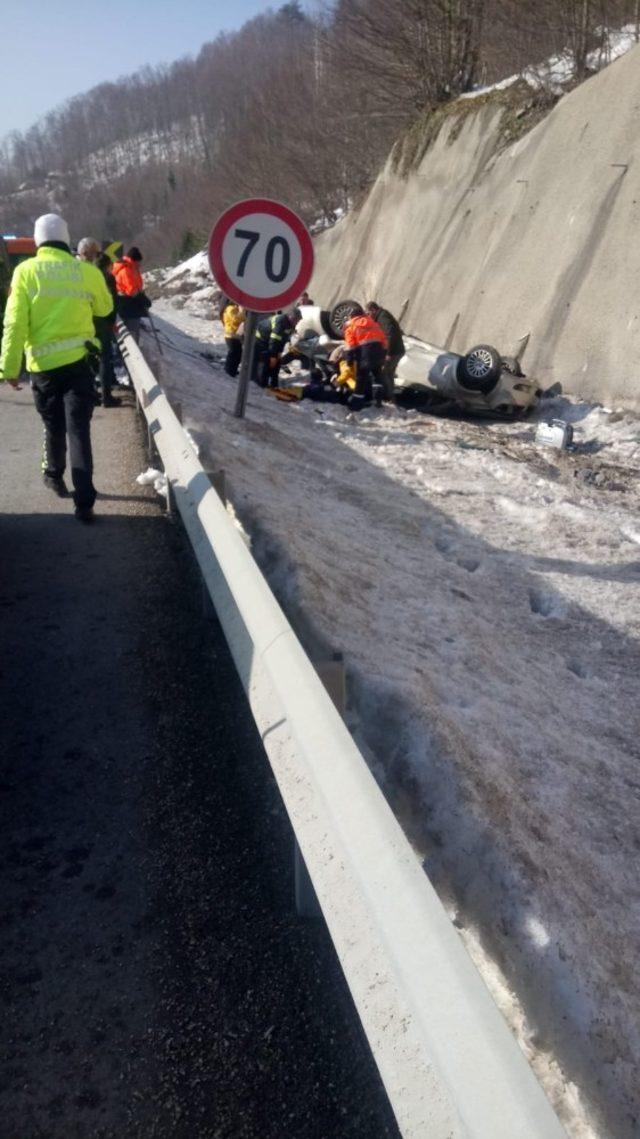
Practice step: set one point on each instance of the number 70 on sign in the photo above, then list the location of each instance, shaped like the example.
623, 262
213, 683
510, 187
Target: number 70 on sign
261, 255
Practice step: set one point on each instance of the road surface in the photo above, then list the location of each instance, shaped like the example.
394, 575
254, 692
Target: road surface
155, 980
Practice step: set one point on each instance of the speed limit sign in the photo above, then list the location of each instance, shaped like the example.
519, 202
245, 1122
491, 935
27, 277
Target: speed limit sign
261, 255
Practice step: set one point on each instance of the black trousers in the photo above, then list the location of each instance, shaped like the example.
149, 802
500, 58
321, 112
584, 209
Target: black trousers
234, 355
65, 399
369, 360
389, 374
107, 374
265, 375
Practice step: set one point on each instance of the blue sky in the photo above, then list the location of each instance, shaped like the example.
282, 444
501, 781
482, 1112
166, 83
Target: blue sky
52, 49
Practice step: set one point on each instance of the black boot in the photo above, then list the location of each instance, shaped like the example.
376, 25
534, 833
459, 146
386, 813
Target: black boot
56, 484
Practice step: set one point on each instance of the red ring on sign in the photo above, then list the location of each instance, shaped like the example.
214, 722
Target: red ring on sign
233, 291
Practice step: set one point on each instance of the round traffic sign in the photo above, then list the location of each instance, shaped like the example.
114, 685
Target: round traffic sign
261, 254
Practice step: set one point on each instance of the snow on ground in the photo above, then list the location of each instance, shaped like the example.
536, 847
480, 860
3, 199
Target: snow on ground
196, 266
555, 73
485, 594
179, 142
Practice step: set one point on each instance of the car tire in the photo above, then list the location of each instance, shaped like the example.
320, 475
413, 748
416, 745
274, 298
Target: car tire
341, 313
479, 370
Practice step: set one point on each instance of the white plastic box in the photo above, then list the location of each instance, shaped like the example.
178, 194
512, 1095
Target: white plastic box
556, 433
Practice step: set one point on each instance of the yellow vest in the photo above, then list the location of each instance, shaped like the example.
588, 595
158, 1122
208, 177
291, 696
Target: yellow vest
50, 311
232, 318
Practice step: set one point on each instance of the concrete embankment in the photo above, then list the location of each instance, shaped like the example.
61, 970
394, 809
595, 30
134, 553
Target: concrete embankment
538, 235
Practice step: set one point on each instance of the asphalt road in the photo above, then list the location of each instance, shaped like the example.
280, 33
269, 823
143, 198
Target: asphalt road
155, 980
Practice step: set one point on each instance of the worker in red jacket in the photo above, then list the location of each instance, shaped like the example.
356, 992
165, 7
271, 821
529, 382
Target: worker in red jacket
133, 302
366, 347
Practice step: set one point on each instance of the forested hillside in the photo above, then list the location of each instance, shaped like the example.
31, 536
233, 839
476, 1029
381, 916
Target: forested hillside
295, 105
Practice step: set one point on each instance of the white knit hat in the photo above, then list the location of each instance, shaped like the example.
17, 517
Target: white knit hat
51, 227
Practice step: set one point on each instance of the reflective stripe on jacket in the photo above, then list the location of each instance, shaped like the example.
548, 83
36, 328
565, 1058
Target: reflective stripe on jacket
273, 333
128, 277
361, 330
50, 312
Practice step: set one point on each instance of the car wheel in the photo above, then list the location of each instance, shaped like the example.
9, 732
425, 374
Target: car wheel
341, 313
479, 370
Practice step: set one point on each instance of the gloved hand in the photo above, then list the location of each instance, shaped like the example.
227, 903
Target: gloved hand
273, 362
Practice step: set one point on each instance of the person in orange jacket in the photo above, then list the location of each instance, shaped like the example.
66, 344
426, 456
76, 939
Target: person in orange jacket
366, 346
133, 302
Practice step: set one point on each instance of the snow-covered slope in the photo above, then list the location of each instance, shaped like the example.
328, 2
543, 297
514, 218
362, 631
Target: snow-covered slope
180, 142
556, 73
485, 593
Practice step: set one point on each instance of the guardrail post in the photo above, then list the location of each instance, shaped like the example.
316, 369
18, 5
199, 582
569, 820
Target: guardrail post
171, 500
218, 482
246, 365
307, 904
332, 675
152, 450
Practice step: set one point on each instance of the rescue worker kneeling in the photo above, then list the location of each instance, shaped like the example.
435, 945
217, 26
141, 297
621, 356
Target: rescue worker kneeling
50, 315
272, 335
366, 347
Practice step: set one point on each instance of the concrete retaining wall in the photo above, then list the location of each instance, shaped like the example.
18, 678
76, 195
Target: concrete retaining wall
541, 236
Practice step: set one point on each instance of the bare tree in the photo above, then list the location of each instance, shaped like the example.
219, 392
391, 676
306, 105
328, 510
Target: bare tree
300, 107
415, 54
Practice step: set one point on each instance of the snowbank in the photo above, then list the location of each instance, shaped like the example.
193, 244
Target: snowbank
554, 74
196, 267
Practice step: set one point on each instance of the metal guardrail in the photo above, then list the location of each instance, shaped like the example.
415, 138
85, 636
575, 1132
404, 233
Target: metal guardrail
450, 1066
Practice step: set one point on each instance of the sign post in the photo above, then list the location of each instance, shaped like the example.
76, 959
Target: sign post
261, 256
247, 362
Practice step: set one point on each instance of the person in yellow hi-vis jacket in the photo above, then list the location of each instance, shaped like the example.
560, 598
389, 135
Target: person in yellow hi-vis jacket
232, 317
49, 315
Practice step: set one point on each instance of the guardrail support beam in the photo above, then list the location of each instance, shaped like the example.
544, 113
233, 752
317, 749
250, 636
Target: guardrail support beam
217, 479
332, 675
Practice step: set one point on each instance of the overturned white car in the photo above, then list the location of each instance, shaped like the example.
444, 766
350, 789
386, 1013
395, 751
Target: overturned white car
482, 382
